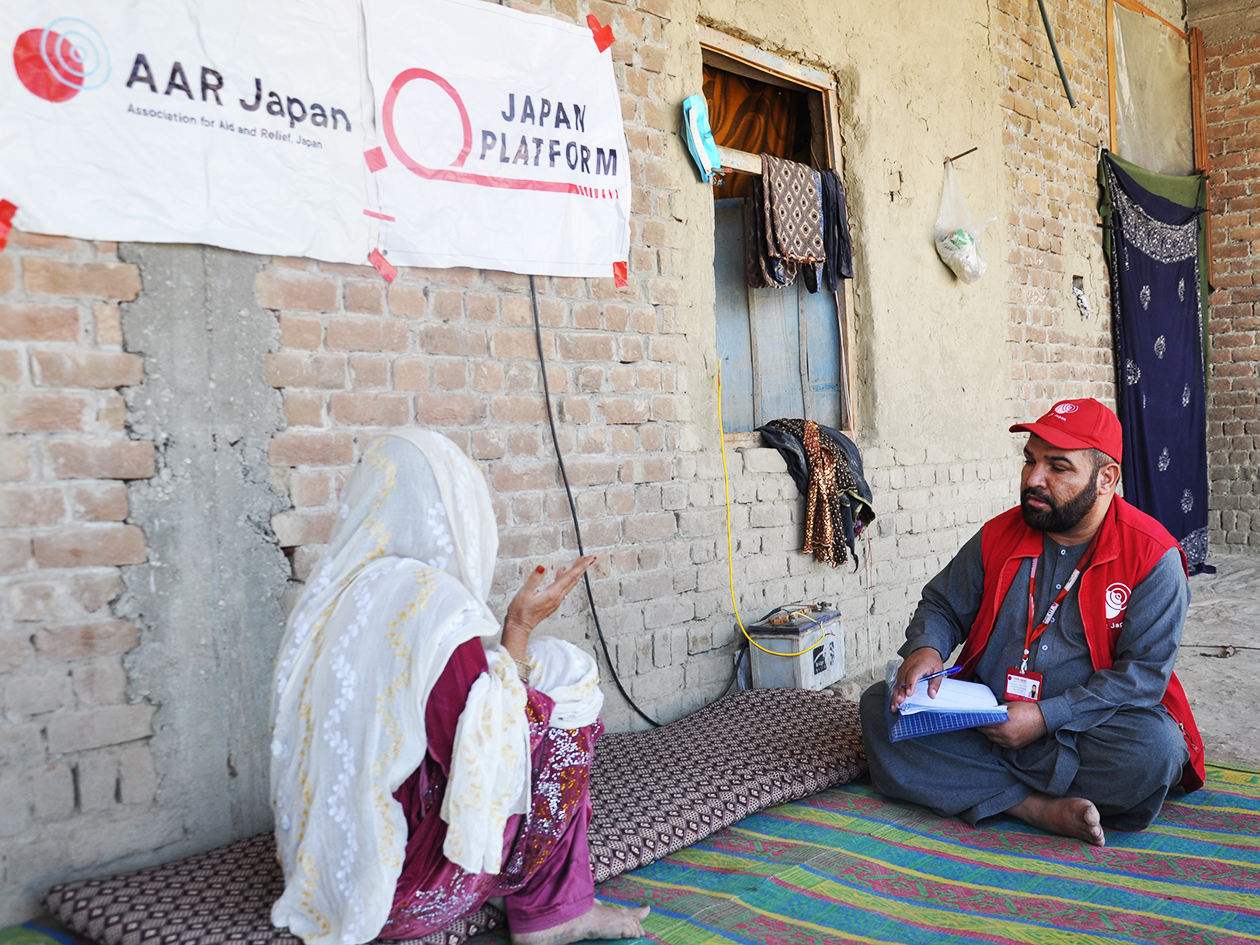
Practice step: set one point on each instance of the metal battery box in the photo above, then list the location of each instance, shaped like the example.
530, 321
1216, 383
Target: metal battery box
815, 630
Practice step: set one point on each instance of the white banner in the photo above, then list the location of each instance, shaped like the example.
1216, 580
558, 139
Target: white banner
227, 122
251, 126
501, 137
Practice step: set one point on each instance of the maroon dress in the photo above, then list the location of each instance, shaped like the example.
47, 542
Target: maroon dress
546, 874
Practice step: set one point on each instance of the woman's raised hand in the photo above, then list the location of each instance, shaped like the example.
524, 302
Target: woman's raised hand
534, 603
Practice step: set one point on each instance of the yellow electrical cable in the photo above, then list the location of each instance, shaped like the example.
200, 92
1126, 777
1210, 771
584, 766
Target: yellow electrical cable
730, 543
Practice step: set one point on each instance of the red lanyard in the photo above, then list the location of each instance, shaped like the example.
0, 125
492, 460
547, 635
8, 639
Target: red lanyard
1034, 633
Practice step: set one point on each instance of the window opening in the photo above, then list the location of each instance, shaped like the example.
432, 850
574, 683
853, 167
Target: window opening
1150, 90
784, 351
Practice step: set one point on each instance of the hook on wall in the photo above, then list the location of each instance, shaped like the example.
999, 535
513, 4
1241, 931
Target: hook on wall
963, 155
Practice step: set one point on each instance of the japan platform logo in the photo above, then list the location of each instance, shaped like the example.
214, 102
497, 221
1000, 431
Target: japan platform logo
1066, 408
66, 57
1116, 599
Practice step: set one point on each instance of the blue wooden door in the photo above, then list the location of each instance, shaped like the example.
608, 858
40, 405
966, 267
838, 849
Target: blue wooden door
780, 348
734, 343
820, 347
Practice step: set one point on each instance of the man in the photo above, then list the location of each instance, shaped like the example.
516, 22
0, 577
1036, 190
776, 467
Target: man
1099, 728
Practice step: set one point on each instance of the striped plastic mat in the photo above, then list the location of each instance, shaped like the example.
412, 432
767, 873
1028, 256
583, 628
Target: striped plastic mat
849, 866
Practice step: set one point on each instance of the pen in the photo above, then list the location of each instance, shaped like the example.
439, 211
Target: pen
952, 671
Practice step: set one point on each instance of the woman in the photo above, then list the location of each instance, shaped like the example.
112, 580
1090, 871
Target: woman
414, 775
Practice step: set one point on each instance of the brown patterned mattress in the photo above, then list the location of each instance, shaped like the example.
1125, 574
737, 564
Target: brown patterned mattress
654, 792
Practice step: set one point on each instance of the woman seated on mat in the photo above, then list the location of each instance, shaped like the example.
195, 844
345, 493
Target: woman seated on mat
418, 768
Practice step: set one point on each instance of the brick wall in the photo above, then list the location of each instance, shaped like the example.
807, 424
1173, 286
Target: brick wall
1053, 227
454, 350
1233, 114
74, 760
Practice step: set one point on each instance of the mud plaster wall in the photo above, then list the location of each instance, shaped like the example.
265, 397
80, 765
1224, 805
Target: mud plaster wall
237, 430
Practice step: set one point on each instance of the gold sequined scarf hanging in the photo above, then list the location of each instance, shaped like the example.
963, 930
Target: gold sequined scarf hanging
823, 504
831, 479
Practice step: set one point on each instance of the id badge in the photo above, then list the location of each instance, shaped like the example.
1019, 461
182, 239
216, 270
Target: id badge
1022, 687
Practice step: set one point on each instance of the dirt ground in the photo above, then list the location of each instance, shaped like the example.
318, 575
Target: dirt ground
1224, 691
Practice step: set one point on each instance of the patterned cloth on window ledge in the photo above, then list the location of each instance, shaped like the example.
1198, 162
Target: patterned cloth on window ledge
822, 506
794, 226
1160, 399
784, 229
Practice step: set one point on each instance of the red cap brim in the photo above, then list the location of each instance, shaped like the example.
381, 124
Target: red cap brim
1055, 436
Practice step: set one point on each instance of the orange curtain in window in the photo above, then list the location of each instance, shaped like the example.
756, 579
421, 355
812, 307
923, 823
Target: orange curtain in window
748, 115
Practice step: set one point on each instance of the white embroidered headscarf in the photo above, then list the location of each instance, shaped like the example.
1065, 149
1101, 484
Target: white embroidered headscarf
403, 583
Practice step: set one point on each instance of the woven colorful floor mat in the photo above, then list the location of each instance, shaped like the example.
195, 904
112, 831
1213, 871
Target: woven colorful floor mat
848, 866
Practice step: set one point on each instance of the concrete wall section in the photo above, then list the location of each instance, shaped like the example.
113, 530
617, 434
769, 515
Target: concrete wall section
1224, 21
207, 601
140, 624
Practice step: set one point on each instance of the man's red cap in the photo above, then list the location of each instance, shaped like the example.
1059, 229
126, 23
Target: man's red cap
1079, 425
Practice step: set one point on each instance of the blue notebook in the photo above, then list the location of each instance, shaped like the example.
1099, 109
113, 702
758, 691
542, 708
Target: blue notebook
930, 723
957, 705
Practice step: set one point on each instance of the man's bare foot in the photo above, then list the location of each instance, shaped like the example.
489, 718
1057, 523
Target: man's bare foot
600, 922
1067, 816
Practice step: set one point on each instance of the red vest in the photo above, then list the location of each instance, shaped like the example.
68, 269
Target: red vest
1130, 544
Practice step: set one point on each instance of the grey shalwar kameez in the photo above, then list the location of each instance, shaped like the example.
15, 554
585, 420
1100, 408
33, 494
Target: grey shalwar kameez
1109, 739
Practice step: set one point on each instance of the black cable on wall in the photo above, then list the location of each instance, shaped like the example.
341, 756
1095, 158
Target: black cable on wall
577, 528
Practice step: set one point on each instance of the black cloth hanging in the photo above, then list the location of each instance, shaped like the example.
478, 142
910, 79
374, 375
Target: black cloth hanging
1160, 394
836, 241
763, 270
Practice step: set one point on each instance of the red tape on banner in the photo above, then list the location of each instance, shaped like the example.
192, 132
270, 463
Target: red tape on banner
379, 216
390, 273
620, 276
7, 209
375, 160
603, 34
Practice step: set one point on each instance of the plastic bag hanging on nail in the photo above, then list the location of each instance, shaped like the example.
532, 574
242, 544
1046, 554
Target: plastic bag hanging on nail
955, 234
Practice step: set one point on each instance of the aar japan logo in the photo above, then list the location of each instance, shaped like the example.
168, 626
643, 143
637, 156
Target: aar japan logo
1116, 600
65, 58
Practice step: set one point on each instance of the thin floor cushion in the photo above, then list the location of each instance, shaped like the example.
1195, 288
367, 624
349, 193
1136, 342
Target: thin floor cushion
653, 792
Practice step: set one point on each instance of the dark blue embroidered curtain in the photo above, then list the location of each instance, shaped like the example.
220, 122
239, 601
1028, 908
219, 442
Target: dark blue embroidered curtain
1160, 393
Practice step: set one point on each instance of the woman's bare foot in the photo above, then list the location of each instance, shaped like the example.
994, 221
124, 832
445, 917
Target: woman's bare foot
1067, 816
600, 922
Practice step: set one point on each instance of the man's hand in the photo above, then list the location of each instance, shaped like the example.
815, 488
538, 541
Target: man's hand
1025, 726
535, 603
922, 662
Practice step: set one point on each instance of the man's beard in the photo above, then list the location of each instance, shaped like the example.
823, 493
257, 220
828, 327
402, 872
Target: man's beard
1058, 518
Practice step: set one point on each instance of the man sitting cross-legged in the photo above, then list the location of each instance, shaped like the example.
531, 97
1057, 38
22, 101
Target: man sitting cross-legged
1070, 608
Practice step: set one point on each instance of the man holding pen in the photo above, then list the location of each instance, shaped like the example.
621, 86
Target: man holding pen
1070, 608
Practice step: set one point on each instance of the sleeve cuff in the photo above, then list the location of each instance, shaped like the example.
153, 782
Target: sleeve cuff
1056, 712
926, 638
